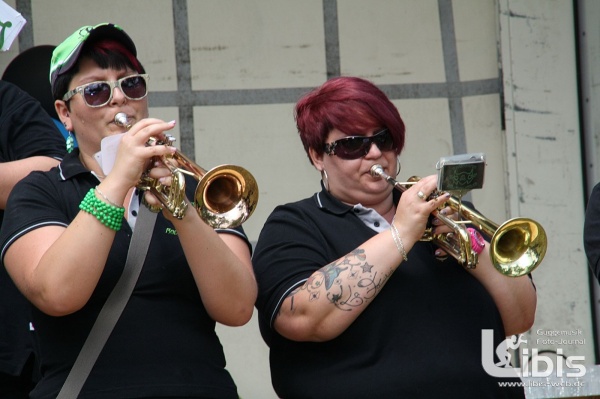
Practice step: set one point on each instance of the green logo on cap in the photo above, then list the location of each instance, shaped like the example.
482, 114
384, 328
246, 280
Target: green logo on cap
65, 54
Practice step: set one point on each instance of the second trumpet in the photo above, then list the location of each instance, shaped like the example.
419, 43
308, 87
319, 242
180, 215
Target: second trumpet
517, 246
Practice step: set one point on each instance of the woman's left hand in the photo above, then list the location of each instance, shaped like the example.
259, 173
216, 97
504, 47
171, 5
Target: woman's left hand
440, 227
164, 176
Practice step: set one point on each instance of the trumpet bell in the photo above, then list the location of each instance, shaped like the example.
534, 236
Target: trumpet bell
518, 247
226, 196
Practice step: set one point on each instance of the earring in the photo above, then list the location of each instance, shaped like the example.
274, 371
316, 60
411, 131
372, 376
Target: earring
398, 166
70, 142
325, 179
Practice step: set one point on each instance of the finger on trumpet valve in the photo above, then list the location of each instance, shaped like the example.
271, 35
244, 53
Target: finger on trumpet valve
170, 140
435, 194
167, 141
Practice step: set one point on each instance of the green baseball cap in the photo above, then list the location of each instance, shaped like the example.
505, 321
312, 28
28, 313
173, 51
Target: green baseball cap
65, 55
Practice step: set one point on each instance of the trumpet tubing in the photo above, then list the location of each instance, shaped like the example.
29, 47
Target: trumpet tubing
517, 246
225, 196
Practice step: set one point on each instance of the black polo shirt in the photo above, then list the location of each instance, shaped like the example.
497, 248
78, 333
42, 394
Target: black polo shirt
164, 344
419, 338
26, 130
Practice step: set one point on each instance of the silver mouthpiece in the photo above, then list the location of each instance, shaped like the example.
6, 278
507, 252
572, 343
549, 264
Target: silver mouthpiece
377, 171
122, 120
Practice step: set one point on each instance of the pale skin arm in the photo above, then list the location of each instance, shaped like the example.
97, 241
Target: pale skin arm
47, 267
335, 295
12, 172
221, 267
515, 297
220, 263
58, 268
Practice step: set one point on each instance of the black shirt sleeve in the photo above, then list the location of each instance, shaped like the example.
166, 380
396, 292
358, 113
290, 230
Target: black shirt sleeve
26, 129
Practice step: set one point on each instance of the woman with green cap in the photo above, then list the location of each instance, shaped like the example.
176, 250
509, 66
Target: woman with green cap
67, 233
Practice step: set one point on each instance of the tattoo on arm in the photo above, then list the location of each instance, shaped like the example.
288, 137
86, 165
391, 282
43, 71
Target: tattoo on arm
346, 283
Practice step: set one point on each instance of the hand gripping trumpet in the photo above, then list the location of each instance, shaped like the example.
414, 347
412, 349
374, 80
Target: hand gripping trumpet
225, 196
516, 247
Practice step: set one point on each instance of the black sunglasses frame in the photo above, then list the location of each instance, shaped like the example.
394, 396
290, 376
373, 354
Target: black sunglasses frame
382, 139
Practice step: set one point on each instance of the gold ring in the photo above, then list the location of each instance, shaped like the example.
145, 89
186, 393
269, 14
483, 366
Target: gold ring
421, 195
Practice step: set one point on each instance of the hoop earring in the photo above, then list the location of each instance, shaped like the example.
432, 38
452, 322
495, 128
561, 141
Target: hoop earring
325, 179
398, 166
70, 142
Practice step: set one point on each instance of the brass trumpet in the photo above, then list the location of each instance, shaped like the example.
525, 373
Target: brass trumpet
225, 197
517, 246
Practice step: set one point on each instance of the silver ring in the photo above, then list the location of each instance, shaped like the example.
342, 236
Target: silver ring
421, 195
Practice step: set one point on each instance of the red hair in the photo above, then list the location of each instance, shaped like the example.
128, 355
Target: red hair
349, 104
108, 53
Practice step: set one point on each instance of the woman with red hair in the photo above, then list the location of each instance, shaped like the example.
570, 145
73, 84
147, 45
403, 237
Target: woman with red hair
351, 303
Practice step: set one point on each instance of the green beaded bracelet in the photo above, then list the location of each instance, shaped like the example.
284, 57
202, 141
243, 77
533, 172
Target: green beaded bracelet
109, 215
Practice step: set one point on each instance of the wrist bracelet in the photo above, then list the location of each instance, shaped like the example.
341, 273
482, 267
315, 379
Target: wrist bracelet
109, 215
398, 241
106, 198
477, 241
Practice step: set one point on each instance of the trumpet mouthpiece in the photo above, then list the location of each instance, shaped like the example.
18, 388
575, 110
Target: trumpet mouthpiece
122, 120
377, 171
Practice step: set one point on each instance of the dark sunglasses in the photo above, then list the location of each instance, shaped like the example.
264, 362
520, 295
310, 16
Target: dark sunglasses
98, 94
354, 147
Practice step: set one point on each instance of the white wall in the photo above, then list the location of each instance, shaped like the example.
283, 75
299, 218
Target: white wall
544, 159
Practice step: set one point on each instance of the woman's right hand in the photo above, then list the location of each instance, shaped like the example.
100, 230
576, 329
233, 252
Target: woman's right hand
134, 156
415, 207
